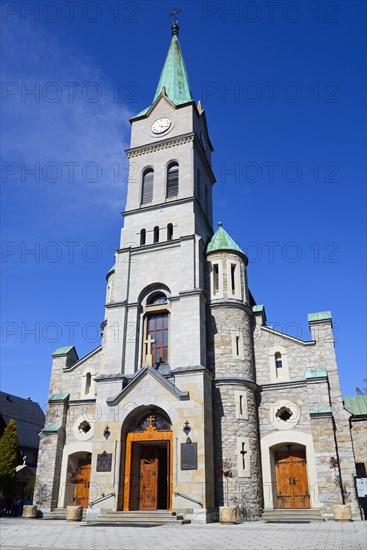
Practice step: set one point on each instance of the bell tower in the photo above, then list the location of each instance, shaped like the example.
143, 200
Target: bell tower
167, 225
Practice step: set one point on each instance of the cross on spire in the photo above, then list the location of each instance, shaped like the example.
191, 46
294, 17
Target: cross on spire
174, 13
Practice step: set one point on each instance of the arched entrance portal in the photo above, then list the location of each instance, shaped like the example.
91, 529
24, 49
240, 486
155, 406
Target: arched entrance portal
148, 463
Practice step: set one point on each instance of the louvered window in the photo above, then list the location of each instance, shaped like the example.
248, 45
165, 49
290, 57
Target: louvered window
169, 232
172, 180
147, 189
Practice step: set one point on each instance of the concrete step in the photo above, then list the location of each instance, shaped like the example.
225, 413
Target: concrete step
158, 517
292, 514
60, 513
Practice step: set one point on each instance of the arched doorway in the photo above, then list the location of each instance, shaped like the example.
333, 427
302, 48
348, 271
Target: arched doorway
148, 463
78, 479
291, 476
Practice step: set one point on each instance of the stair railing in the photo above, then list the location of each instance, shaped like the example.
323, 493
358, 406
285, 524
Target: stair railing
177, 494
100, 499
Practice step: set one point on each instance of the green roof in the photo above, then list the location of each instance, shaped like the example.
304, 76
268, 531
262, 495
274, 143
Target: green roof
316, 373
320, 316
222, 241
51, 429
174, 78
62, 351
258, 307
356, 405
321, 410
59, 396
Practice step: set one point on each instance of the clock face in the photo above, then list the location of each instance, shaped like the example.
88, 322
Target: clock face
203, 141
161, 125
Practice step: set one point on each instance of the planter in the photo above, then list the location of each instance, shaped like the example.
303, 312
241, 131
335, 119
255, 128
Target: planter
29, 511
74, 513
228, 514
342, 512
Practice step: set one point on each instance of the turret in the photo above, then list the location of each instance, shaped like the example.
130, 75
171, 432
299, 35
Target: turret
230, 359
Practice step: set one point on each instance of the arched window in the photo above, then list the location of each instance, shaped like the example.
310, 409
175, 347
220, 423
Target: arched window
155, 341
278, 360
143, 235
157, 299
169, 232
147, 186
157, 337
172, 180
88, 383
156, 234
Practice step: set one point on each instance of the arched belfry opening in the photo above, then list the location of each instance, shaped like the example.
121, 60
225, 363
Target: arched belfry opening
147, 464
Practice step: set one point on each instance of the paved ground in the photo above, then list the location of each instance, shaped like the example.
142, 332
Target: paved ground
61, 535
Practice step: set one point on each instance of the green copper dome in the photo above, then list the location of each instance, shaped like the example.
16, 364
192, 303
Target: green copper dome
174, 81
222, 241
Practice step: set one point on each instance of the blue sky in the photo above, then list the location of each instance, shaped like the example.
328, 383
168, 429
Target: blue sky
283, 88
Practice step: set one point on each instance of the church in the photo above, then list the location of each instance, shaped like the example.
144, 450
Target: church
191, 402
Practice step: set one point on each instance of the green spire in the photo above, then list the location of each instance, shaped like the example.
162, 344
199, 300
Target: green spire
174, 77
222, 241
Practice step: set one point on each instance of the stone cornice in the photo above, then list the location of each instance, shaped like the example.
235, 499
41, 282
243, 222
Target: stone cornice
236, 380
280, 385
232, 304
75, 402
157, 146
157, 206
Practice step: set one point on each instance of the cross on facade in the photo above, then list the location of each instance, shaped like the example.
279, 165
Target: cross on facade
151, 420
149, 342
243, 452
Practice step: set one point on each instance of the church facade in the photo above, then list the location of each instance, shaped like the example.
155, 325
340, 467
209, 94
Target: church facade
191, 401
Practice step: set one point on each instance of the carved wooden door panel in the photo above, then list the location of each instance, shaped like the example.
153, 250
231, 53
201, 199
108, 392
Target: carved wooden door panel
292, 486
284, 486
82, 485
148, 478
301, 497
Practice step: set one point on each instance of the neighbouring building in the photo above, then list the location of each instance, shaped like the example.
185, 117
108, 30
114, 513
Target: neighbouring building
189, 381
30, 419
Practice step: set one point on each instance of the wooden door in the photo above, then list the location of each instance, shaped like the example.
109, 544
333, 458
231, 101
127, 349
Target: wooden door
82, 485
148, 478
292, 486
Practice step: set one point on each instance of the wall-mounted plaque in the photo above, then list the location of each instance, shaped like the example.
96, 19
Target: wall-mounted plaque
104, 462
189, 456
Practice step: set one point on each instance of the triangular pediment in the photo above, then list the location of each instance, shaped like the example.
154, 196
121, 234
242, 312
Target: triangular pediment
139, 379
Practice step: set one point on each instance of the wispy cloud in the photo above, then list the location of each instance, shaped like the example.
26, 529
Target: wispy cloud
71, 131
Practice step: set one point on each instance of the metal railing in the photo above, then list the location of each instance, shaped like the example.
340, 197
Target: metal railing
177, 494
100, 499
